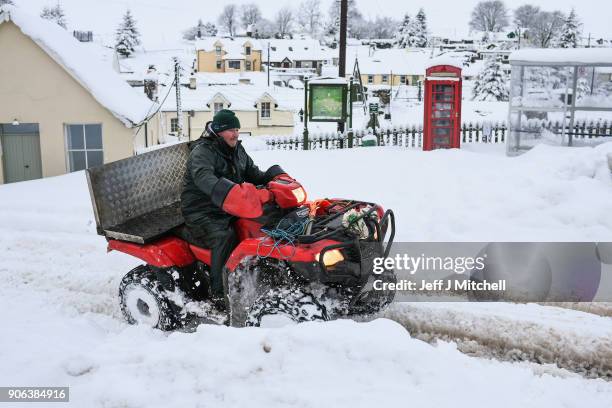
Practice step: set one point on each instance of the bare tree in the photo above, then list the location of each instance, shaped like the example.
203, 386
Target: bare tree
264, 28
250, 15
546, 28
489, 16
309, 16
384, 27
283, 20
3, 2
525, 16
356, 22
228, 19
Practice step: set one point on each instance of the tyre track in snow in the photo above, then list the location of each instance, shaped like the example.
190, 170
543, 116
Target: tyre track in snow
576, 341
601, 309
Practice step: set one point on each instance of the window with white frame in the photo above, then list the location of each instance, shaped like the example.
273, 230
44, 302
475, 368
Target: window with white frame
84, 146
403, 79
385, 79
233, 64
174, 127
218, 50
370, 79
265, 110
217, 106
219, 64
247, 50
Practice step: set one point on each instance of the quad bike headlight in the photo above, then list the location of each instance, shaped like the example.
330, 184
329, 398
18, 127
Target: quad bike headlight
299, 194
330, 258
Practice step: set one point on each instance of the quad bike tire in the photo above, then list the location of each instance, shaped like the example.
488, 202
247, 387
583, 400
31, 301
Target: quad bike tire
371, 301
293, 303
143, 299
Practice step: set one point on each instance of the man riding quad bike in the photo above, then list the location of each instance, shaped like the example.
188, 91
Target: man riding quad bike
291, 260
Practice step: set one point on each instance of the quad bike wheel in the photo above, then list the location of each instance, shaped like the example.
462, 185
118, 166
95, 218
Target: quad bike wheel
144, 301
283, 306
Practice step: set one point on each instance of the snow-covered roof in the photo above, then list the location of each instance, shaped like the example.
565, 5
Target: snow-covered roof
445, 60
398, 61
298, 50
105, 85
232, 46
241, 97
562, 56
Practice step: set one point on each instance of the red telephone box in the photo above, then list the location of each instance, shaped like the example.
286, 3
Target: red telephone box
442, 122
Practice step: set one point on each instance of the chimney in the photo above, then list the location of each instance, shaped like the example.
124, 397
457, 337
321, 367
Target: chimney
151, 83
192, 83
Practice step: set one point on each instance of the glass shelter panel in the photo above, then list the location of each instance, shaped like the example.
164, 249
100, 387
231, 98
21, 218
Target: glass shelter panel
594, 87
558, 105
549, 88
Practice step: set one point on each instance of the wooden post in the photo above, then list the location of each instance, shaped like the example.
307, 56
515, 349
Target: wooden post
305, 139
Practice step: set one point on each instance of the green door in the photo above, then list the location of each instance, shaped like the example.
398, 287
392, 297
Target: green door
20, 152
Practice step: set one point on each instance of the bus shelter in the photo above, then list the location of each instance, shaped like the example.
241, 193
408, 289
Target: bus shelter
553, 92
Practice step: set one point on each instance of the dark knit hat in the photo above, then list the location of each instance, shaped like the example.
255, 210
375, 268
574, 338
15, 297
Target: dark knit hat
223, 120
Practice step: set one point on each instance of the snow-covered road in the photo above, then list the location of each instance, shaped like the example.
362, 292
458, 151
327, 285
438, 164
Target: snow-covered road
61, 323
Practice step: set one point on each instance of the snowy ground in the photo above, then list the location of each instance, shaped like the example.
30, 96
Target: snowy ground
62, 325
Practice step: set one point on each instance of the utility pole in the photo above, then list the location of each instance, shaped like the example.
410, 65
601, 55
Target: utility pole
342, 48
179, 109
268, 64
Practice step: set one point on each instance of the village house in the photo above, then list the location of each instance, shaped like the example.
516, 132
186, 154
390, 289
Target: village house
306, 55
228, 54
61, 109
261, 110
392, 67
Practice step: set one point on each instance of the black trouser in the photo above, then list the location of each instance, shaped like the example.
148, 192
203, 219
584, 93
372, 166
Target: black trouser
221, 243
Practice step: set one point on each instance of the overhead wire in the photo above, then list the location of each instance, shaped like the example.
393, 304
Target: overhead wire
147, 116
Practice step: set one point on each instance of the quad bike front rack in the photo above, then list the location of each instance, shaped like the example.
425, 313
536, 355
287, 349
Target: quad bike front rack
387, 220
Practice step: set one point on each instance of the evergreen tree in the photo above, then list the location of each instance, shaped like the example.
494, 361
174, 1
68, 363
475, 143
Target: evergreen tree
404, 34
419, 30
128, 36
491, 84
55, 14
570, 31
210, 30
583, 88
200, 30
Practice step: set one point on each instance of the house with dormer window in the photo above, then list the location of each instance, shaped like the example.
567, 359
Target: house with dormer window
215, 54
262, 111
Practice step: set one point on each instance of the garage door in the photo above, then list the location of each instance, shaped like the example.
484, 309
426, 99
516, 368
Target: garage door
20, 152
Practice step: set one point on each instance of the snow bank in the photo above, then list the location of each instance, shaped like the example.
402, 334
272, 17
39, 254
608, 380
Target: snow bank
342, 364
61, 323
105, 85
550, 194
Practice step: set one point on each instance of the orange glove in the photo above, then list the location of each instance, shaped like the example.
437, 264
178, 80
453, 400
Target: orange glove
265, 196
243, 201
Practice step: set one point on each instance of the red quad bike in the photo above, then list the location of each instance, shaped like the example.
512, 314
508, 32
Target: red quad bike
301, 261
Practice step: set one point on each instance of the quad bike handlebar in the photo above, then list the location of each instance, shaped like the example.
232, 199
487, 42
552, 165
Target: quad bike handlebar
287, 192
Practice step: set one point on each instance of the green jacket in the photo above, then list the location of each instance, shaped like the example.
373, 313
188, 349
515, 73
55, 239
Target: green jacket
213, 169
